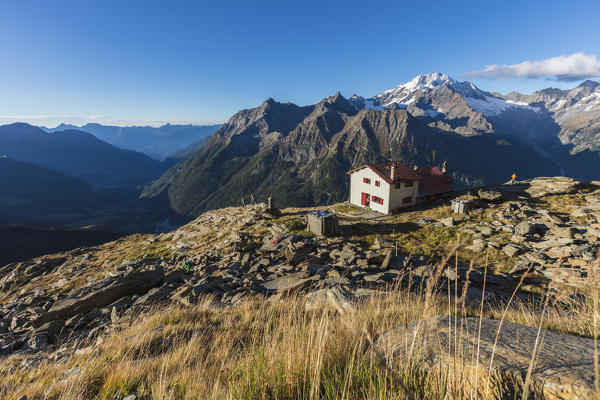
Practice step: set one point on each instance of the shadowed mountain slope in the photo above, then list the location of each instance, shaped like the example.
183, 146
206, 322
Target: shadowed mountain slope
300, 155
78, 154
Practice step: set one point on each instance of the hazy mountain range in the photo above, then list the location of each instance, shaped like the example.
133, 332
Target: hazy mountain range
78, 154
156, 142
300, 154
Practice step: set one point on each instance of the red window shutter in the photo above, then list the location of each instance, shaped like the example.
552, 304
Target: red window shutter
381, 201
406, 200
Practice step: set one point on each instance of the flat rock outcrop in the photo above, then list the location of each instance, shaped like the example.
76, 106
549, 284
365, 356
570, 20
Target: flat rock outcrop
563, 368
135, 283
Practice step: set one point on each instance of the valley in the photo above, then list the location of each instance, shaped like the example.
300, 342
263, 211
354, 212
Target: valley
67, 177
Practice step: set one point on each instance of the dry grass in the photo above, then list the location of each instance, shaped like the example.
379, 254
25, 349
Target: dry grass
267, 350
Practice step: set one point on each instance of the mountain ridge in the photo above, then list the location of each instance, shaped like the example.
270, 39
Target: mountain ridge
157, 142
300, 154
78, 154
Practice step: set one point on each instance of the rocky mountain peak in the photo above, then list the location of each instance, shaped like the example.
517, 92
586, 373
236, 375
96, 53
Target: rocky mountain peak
430, 80
589, 84
270, 102
339, 103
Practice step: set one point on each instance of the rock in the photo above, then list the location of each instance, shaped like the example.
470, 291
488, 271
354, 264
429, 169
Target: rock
593, 231
338, 297
130, 397
204, 288
547, 244
38, 342
511, 250
477, 245
392, 260
475, 295
485, 230
518, 239
51, 329
372, 277
558, 252
381, 243
114, 315
288, 282
524, 228
564, 366
182, 295
348, 255
519, 269
154, 296
295, 256
135, 283
450, 274
17, 323
320, 269
489, 195
543, 186
448, 221
374, 258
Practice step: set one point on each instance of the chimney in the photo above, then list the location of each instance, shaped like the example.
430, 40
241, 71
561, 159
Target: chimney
393, 174
445, 168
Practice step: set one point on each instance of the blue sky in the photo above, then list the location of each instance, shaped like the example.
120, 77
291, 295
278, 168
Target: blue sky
127, 62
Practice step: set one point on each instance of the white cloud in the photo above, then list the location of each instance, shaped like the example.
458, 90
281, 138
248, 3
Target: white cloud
566, 68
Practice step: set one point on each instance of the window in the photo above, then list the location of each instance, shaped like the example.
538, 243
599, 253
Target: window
397, 186
376, 199
407, 200
367, 181
408, 184
377, 183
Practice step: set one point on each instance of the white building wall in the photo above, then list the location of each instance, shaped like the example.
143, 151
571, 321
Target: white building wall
397, 195
357, 187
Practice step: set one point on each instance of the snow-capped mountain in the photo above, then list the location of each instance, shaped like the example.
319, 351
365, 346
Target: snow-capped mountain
421, 86
576, 111
443, 102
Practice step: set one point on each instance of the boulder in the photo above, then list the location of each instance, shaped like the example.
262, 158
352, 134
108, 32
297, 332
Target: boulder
295, 256
524, 228
338, 297
448, 221
288, 282
564, 367
37, 342
477, 245
397, 261
511, 250
489, 195
50, 329
135, 283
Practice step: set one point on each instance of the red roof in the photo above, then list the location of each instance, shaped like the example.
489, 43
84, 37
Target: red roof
384, 170
433, 182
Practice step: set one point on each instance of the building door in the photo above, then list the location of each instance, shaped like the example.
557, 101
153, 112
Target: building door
365, 199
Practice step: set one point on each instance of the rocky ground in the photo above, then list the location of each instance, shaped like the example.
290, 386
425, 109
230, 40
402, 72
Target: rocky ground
536, 236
